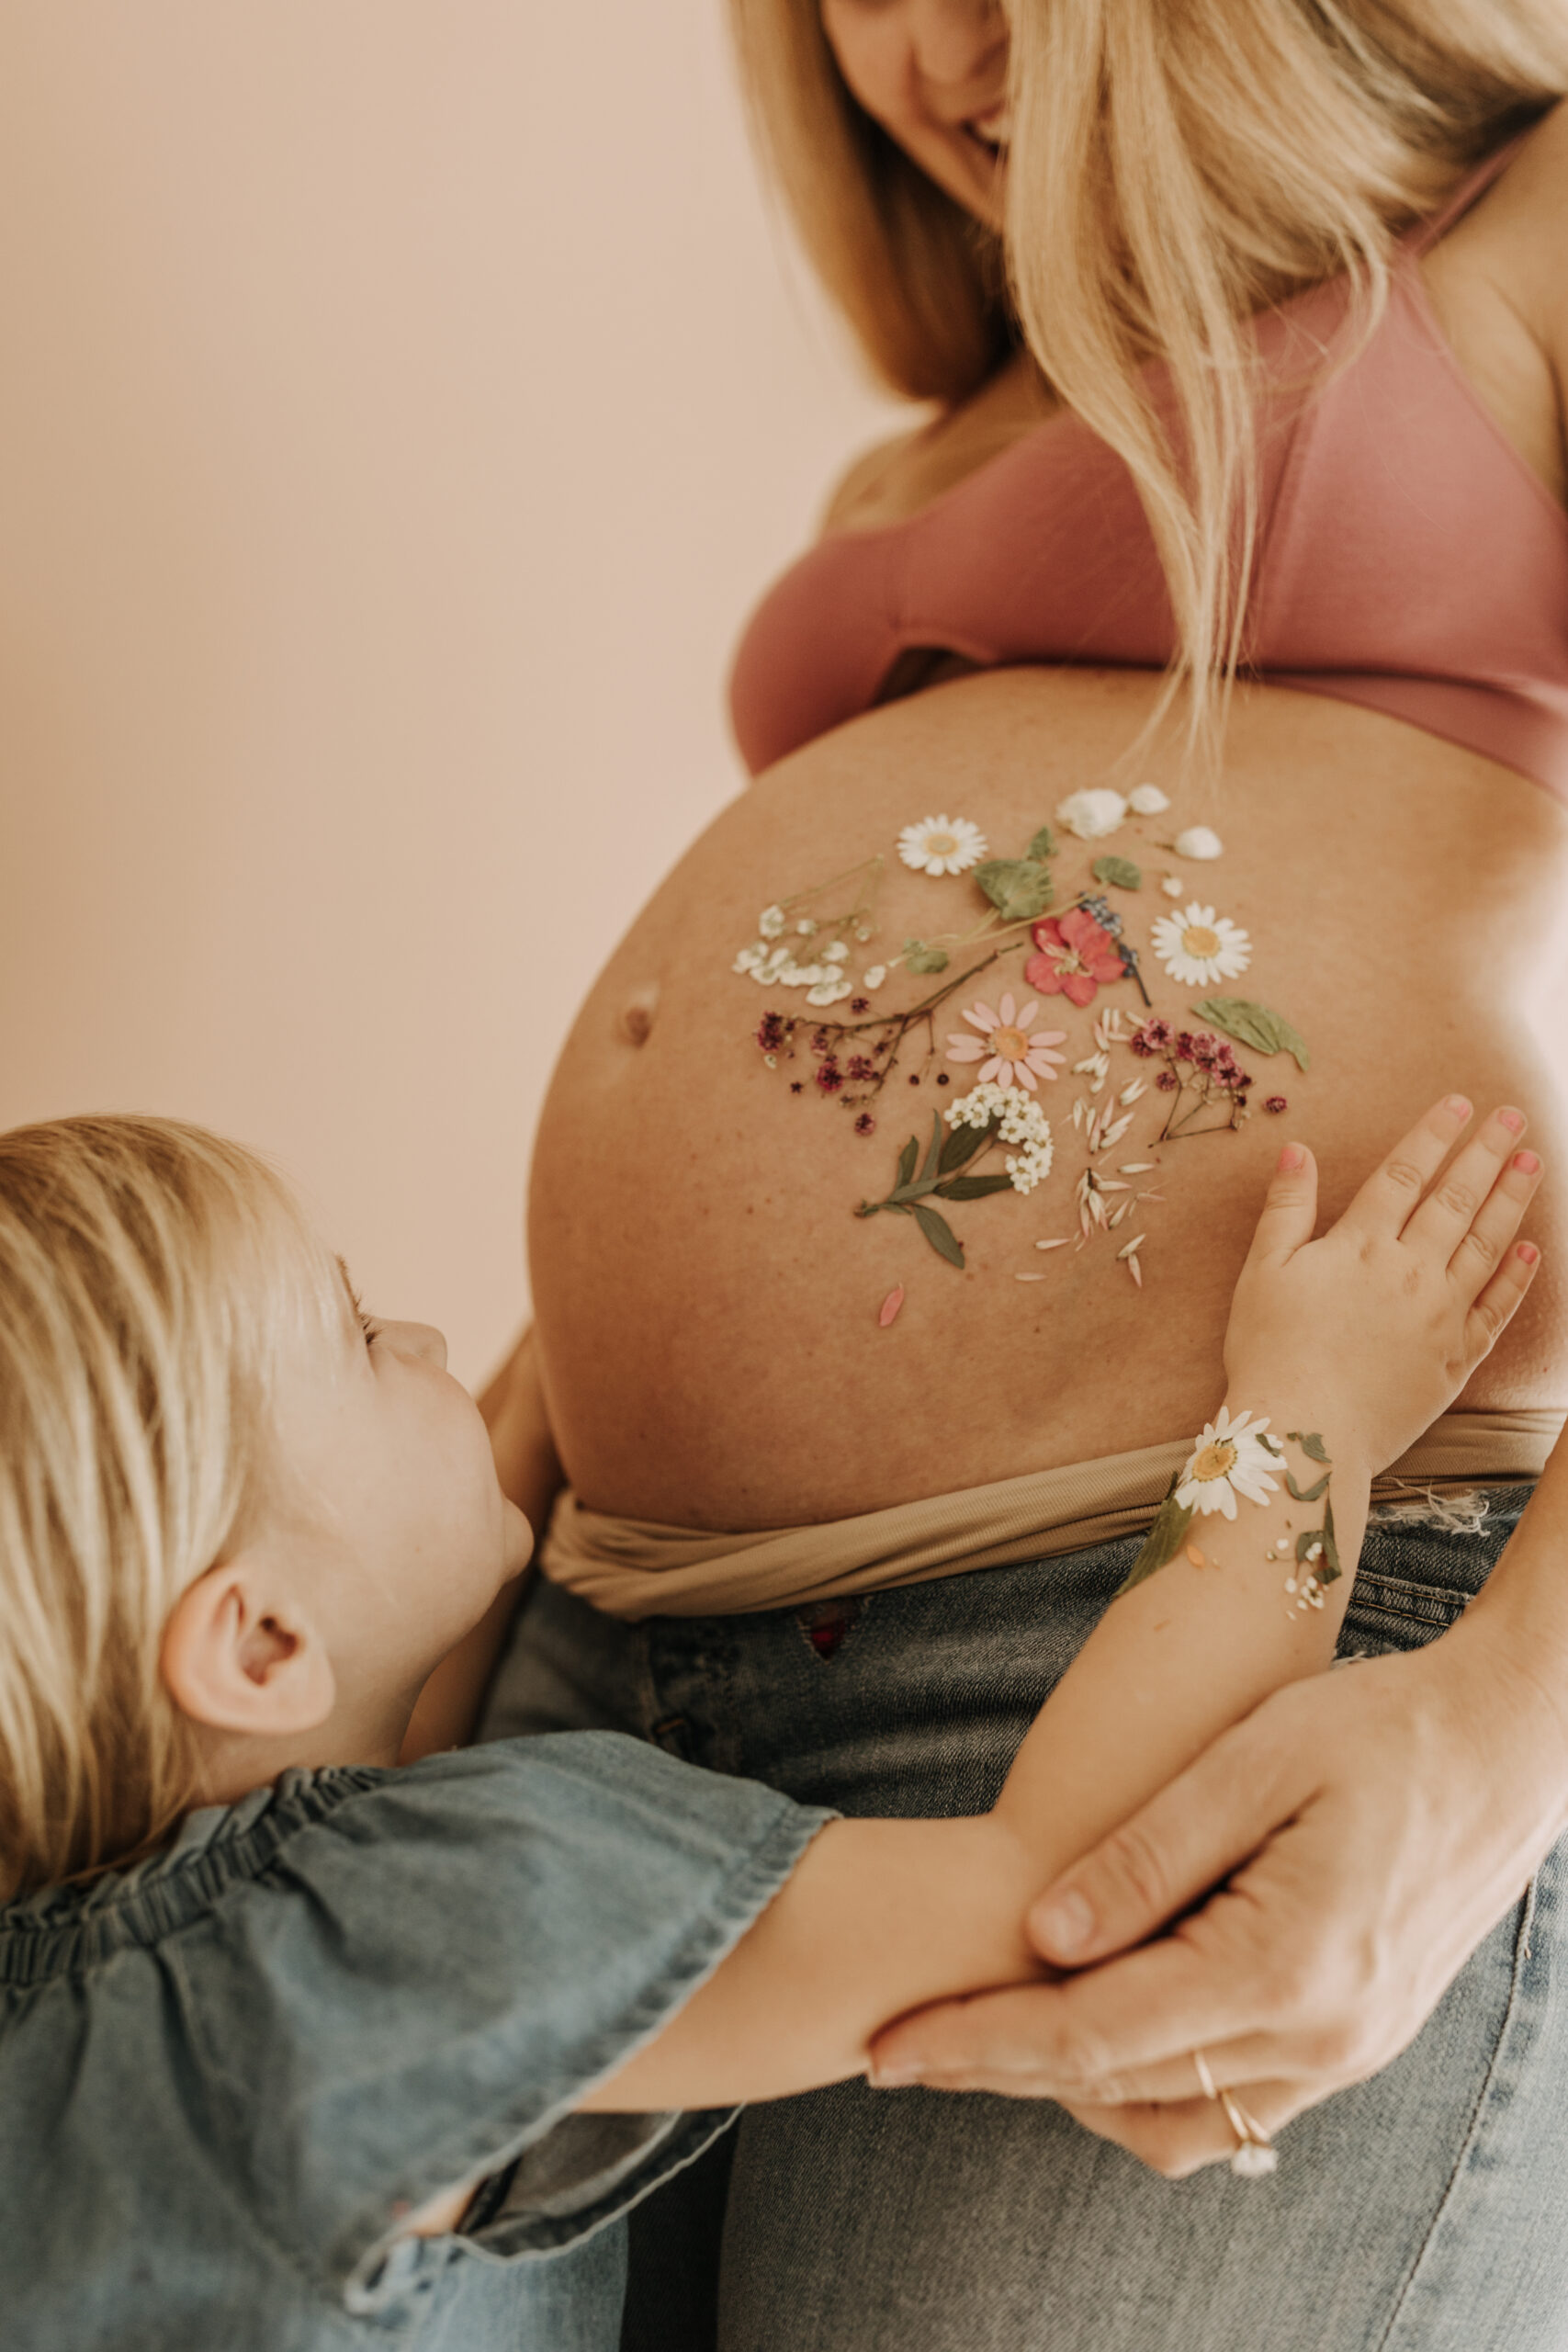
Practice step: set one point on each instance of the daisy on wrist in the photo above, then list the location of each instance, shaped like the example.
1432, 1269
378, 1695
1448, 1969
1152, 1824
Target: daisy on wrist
1231, 1458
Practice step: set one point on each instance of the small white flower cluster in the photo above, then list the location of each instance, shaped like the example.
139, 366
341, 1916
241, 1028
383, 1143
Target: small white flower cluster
824, 979
1020, 1121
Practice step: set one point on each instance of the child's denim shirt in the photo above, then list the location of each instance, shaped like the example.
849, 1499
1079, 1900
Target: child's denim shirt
227, 2075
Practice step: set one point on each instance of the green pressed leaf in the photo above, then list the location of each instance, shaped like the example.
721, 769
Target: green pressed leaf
1119, 871
1019, 888
919, 958
1254, 1026
906, 1160
961, 1145
1270, 1445
1305, 1542
941, 1235
1161, 1545
1042, 845
1311, 1445
1308, 1494
971, 1188
933, 1149
1330, 1549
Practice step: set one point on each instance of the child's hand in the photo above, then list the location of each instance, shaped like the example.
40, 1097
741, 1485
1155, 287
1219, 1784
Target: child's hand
1379, 1325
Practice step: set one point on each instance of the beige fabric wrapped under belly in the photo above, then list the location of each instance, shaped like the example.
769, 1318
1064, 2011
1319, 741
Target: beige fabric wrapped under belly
635, 1567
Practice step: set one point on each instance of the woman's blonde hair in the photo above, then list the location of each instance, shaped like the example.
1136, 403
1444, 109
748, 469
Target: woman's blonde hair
1176, 166
149, 1274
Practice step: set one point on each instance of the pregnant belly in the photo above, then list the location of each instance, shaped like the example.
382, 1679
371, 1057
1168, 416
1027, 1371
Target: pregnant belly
727, 1343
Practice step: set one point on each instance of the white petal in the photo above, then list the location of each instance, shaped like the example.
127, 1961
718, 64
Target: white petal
1091, 815
1148, 799
1198, 842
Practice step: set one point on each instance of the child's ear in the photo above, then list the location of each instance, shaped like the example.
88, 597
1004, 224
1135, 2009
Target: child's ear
239, 1654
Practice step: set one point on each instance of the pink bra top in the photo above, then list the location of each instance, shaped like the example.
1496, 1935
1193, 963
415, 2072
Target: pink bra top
1409, 558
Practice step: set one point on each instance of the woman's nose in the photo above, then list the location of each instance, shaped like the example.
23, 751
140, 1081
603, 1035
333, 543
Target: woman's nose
956, 43
421, 1339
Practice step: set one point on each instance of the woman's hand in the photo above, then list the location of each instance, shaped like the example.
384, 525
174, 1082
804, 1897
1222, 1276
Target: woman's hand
1366, 1829
1386, 1316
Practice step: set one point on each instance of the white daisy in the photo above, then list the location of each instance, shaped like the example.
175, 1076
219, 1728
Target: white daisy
942, 845
1199, 841
1092, 815
1198, 947
1148, 799
1229, 1459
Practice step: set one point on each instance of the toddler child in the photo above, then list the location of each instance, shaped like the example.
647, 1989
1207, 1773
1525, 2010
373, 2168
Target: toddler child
300, 2048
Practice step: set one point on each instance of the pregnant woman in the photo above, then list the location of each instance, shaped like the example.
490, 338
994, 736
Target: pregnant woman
897, 1172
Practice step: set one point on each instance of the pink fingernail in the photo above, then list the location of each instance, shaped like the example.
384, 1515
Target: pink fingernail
1065, 1924
1513, 1120
1527, 1253
1527, 1163
893, 2078
1293, 1157
1459, 1105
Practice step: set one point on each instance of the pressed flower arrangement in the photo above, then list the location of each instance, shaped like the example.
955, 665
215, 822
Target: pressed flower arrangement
825, 943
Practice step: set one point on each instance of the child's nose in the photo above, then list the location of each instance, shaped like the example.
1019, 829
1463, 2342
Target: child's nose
421, 1339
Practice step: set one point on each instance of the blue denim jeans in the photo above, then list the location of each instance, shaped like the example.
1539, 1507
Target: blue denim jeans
1425, 2211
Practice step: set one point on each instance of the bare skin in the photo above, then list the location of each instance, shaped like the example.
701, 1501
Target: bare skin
1403, 898
1398, 893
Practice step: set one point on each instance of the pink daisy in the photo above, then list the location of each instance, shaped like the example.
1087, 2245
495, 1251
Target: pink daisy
1009, 1055
1075, 954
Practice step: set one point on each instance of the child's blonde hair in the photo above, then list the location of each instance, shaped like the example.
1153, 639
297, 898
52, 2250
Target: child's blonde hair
150, 1275
1176, 166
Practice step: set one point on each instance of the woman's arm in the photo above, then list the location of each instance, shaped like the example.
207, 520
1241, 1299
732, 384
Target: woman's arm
1356, 1839
1353, 1344
530, 1475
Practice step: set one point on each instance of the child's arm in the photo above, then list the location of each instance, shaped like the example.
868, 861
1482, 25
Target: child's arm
1356, 1343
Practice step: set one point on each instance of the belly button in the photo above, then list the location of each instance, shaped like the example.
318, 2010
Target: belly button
637, 1013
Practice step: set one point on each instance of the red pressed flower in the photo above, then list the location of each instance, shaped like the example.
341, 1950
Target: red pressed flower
830, 1076
1077, 954
1276, 1103
1165, 1081
862, 1068
865, 1125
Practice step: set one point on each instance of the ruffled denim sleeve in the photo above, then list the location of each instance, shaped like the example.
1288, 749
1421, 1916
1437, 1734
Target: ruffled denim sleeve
364, 1988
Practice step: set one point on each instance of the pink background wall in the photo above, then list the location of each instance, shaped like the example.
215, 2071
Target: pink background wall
401, 405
